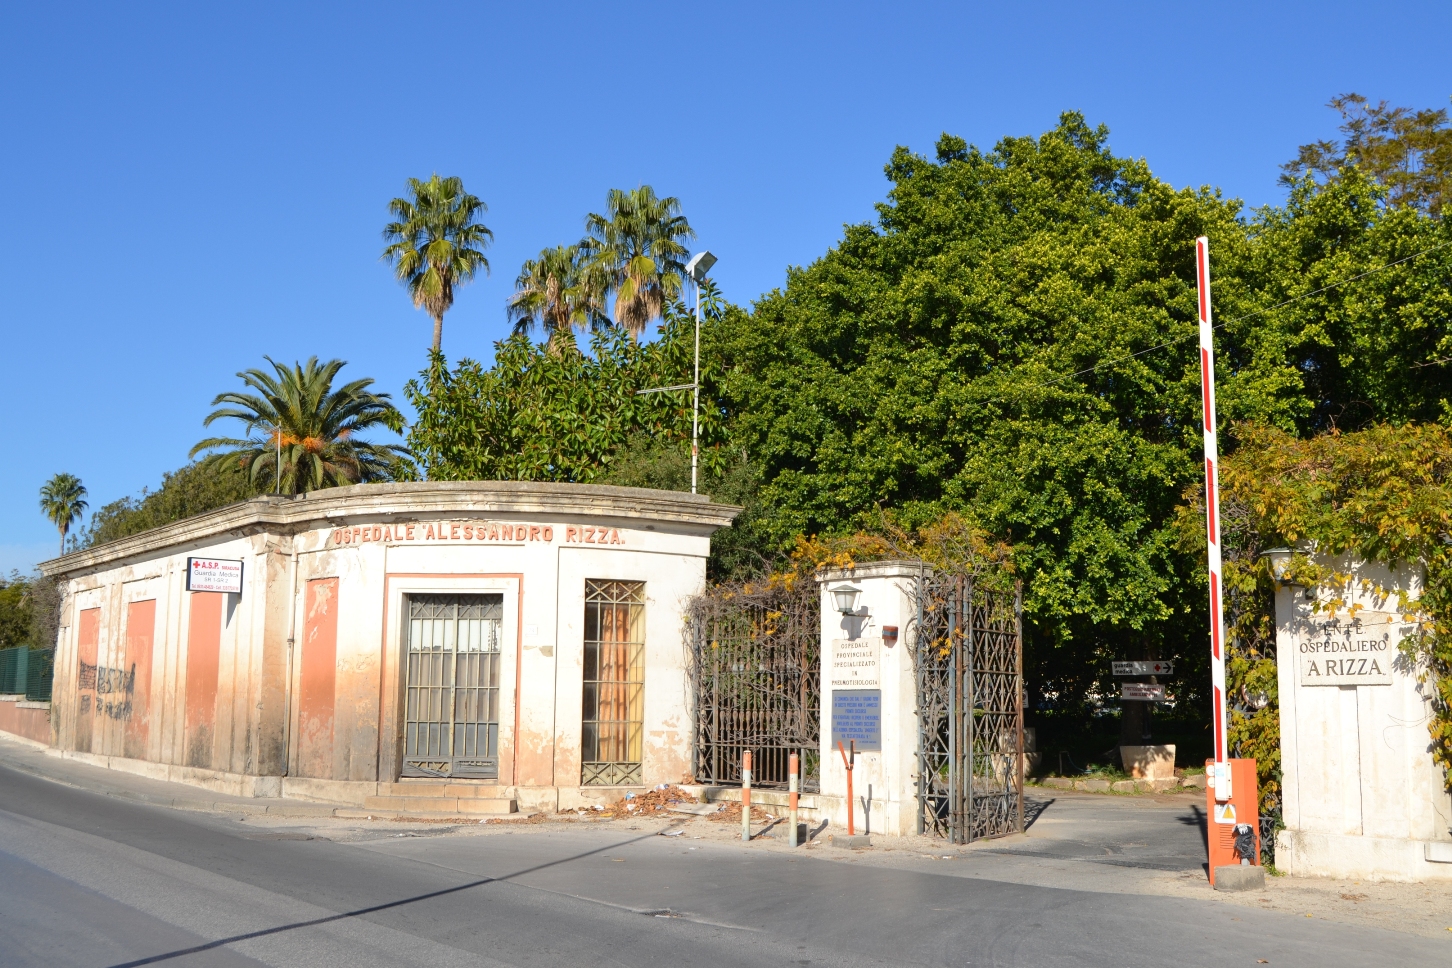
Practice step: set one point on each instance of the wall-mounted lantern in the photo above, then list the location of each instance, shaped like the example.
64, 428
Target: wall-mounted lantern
1280, 565
845, 596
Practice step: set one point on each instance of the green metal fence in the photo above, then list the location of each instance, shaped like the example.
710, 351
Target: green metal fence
28, 671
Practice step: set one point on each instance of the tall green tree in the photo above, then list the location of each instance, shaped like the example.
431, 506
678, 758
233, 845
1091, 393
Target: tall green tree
62, 500
296, 411
15, 610
187, 491
639, 242
1014, 340
540, 415
560, 291
436, 243
1408, 151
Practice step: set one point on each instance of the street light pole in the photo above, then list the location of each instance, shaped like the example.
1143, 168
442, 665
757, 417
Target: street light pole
696, 394
697, 268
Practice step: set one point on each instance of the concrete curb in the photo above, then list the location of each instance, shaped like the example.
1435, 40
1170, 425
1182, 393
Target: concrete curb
195, 804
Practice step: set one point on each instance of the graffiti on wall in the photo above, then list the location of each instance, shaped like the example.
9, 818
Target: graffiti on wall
113, 689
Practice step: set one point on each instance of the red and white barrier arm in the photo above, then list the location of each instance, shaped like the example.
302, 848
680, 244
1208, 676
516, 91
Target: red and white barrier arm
1221, 776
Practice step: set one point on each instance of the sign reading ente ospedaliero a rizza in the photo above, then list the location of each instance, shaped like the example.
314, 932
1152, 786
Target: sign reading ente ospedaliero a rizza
1350, 650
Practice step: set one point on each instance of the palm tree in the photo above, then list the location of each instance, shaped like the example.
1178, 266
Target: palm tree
436, 243
62, 499
296, 412
638, 244
559, 291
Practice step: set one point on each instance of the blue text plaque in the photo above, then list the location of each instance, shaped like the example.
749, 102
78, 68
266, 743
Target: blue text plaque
857, 715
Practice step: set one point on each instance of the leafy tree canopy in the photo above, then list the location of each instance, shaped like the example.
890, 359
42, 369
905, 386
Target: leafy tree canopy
14, 611
1014, 341
1379, 494
184, 492
542, 415
1409, 151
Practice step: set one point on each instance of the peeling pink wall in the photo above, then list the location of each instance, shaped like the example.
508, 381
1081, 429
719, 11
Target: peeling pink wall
88, 638
317, 680
204, 645
140, 645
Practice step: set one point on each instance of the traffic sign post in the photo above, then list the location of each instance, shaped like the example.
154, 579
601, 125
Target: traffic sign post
1151, 667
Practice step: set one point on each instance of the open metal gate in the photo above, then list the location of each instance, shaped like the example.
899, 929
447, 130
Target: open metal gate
756, 680
968, 659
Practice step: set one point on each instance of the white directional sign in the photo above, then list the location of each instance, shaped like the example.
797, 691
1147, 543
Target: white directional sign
214, 575
1151, 667
1142, 690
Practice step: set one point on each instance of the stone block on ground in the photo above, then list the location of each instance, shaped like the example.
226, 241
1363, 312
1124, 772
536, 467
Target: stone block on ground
1095, 786
1148, 762
853, 841
1239, 877
1160, 786
1124, 786
1058, 782
1197, 781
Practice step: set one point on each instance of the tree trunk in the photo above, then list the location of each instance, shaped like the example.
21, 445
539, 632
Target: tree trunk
438, 331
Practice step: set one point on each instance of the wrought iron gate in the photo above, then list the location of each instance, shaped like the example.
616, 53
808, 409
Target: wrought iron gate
968, 659
756, 680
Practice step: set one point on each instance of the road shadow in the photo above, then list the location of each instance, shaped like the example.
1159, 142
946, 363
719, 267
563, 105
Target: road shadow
1201, 820
360, 912
1033, 809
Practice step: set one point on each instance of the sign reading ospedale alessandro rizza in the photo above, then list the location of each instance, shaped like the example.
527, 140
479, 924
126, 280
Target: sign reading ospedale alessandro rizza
1345, 650
214, 575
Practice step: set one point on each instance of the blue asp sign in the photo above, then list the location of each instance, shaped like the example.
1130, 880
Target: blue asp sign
857, 716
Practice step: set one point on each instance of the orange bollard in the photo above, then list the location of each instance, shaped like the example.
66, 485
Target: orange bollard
746, 796
794, 767
849, 763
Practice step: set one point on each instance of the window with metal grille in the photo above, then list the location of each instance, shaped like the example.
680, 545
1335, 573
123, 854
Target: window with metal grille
451, 722
614, 706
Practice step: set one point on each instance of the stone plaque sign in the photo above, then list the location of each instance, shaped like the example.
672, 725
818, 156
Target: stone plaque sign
855, 663
857, 718
1346, 650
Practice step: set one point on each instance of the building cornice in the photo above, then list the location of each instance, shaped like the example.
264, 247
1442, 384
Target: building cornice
287, 516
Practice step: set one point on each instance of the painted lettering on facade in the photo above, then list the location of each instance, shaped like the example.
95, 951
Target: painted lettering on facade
1350, 650
488, 532
855, 663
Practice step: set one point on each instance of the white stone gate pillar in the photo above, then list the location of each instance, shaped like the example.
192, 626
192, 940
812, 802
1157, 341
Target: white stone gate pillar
1362, 796
869, 692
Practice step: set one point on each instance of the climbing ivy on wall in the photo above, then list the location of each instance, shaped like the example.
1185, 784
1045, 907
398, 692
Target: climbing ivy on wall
1383, 494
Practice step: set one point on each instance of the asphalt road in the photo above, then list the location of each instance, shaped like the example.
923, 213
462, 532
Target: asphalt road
89, 880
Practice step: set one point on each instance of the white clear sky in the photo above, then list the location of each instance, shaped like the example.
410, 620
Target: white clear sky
194, 185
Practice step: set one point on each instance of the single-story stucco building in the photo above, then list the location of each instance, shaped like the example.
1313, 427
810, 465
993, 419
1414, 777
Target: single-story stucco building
449, 646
